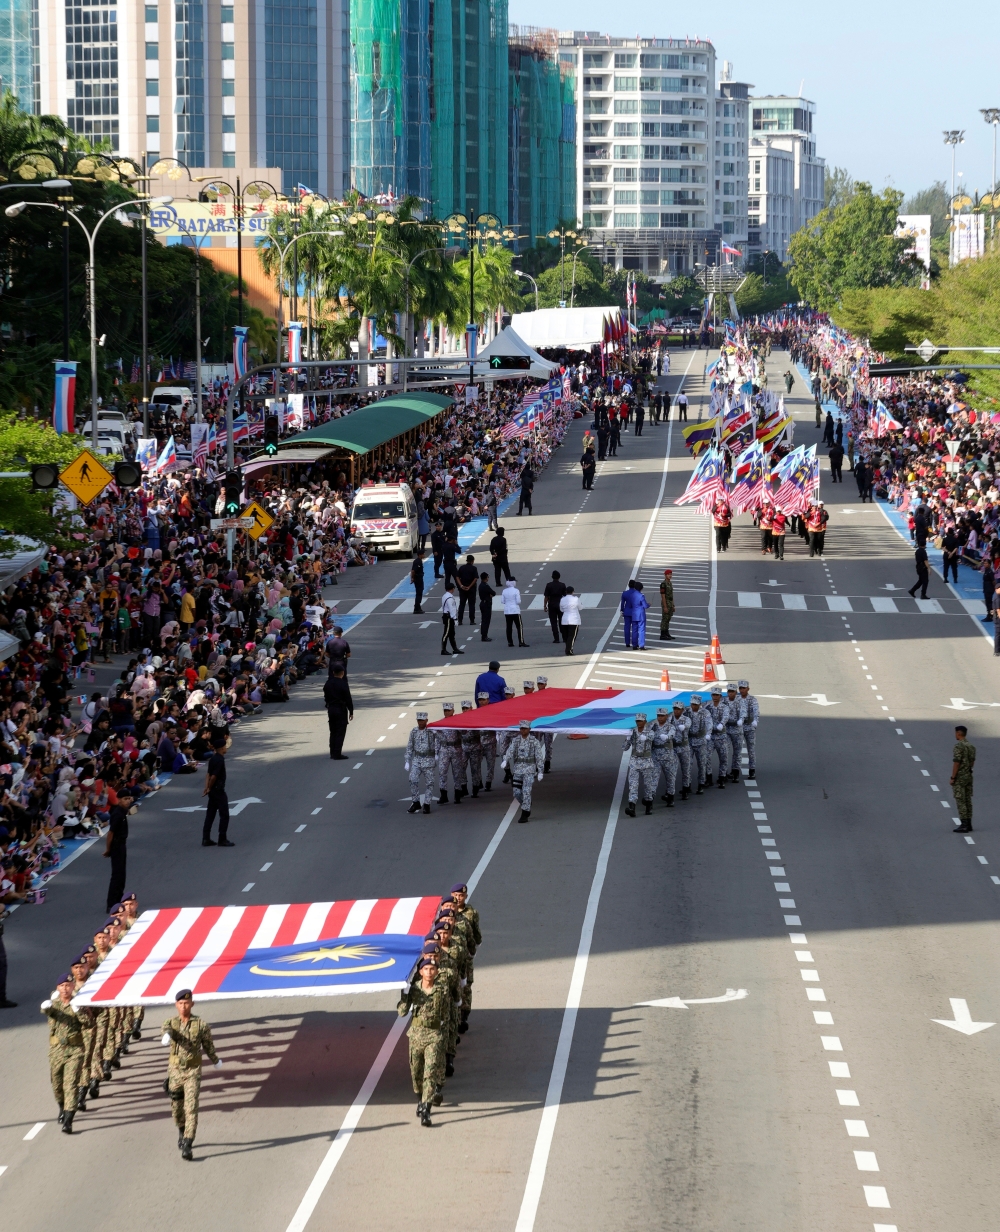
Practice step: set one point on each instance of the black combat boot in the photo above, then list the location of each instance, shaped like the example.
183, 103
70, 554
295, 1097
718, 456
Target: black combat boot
420, 1108
94, 1090
425, 1116
488, 785
68, 1122
736, 775
444, 796
670, 801
649, 806
438, 1097
186, 1149
708, 779
427, 809
458, 796
722, 782
81, 1098
449, 1065
180, 1141
630, 809
136, 1033
507, 776
414, 807
525, 815
701, 789
475, 792
685, 792
463, 1026
106, 1071
548, 768
61, 1117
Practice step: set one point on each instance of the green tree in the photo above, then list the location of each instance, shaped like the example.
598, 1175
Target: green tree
23, 511
933, 201
851, 247
838, 187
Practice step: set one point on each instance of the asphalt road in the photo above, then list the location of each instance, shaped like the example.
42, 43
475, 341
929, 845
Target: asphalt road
832, 893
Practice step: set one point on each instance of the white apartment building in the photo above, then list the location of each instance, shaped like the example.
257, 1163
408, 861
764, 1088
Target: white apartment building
786, 176
644, 115
732, 119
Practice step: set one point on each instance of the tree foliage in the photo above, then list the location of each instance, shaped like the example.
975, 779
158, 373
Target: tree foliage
933, 201
838, 187
23, 511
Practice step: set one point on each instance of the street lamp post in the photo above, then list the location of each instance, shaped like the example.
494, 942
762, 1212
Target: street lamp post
282, 253
572, 287
483, 227
953, 137
992, 117
12, 211
562, 235
522, 274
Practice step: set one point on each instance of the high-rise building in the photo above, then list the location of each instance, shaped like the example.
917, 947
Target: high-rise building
542, 135
253, 83
786, 175
19, 50
644, 183
731, 134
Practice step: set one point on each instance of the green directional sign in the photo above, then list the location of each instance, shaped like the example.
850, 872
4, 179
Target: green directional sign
509, 362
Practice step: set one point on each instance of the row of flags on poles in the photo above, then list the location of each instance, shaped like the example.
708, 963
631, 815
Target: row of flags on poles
536, 409
791, 485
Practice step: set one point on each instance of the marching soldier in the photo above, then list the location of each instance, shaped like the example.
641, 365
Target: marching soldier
188, 1037
504, 738
454, 951
667, 606
66, 1049
699, 736
718, 713
547, 737
526, 758
751, 717
88, 1027
472, 756
734, 729
663, 753
427, 1002
449, 757
682, 751
641, 764
421, 759
487, 744
467, 917
131, 915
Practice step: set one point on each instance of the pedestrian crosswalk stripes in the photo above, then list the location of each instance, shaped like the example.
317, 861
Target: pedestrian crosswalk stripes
885, 605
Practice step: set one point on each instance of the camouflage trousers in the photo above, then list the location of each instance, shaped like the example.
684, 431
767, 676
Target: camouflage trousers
646, 769
524, 780
683, 755
666, 763
720, 745
750, 740
963, 799
472, 758
700, 754
427, 1061
185, 1093
65, 1067
488, 744
467, 990
100, 1040
425, 767
735, 737
450, 758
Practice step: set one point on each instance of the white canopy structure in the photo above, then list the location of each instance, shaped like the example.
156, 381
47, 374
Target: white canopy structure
573, 328
509, 345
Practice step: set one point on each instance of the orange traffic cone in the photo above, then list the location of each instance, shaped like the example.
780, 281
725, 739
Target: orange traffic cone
716, 650
664, 681
709, 673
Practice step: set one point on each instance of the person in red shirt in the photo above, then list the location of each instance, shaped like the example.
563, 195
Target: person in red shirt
779, 526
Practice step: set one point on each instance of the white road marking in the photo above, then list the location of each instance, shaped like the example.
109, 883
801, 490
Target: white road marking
831, 1043
265, 867
34, 1131
876, 1196
249, 886
962, 1020
982, 859
284, 846
848, 1099
995, 880
379, 740
681, 1003
359, 765
299, 829
822, 1018
839, 1069
346, 780
320, 808
857, 1129
804, 956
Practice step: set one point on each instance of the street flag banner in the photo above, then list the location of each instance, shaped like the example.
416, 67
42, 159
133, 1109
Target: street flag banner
65, 397
584, 712
748, 479
241, 429
145, 452
199, 444
698, 436
288, 950
166, 463
240, 350
882, 423
768, 434
707, 482
294, 342
523, 422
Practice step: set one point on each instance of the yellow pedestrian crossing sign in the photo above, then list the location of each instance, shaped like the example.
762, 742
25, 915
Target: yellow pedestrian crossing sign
262, 520
86, 477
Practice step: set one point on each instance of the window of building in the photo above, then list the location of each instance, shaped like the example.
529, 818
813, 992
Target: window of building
624, 59
229, 159
729, 189
753, 204
649, 196
626, 175
593, 59
228, 87
152, 51
675, 130
675, 175
152, 13
728, 109
649, 84
627, 83
673, 220
729, 228
627, 151
649, 175
649, 61
152, 124
626, 106
229, 51
650, 151
676, 106
226, 14
649, 106
626, 130
593, 83
650, 130
675, 62
649, 220
152, 87
594, 128
728, 168
727, 130
594, 220
228, 124
625, 220
625, 196
729, 207
756, 185
756, 166
674, 85
594, 106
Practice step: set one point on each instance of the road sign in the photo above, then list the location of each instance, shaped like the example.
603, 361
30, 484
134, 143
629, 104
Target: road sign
86, 477
260, 520
239, 523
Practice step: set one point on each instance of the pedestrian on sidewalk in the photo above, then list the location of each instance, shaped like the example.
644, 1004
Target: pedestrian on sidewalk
923, 574
963, 758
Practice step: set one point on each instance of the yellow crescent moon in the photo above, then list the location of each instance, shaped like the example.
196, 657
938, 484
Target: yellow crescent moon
299, 975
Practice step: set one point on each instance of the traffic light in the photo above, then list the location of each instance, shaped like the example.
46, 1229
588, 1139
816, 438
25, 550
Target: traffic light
270, 434
234, 492
128, 475
44, 477
509, 362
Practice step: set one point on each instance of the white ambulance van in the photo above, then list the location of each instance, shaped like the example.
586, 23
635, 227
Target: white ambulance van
385, 516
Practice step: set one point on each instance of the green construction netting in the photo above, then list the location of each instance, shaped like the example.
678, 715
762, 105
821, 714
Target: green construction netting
542, 143
370, 426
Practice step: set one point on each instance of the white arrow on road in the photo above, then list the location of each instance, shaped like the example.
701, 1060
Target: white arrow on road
681, 1003
959, 703
963, 1019
773, 582
235, 806
817, 699
891, 586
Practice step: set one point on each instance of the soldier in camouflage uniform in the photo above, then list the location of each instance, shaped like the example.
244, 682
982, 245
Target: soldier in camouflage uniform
734, 730
467, 918
750, 720
472, 756
449, 756
663, 753
66, 1049
88, 1026
131, 915
504, 738
455, 953
427, 1002
487, 744
421, 760
99, 1070
718, 713
682, 725
699, 733
547, 737
526, 758
641, 765
963, 758
188, 1037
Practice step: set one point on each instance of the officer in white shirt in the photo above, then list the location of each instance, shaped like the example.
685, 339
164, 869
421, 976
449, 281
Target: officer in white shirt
511, 599
449, 612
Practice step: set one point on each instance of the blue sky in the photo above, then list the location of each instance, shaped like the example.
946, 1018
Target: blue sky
886, 79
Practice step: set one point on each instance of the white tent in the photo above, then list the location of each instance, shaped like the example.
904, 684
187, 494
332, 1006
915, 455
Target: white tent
574, 328
509, 344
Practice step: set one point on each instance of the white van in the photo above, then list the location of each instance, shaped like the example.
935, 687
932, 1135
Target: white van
171, 399
385, 515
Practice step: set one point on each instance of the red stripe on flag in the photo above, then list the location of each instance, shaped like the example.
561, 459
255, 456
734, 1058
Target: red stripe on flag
290, 925
138, 953
335, 918
239, 943
188, 949
378, 920
423, 917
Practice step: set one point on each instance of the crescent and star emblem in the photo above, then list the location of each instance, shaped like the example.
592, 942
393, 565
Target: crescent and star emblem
326, 954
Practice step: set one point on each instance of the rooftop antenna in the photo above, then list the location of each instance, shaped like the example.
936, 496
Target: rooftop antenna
802, 86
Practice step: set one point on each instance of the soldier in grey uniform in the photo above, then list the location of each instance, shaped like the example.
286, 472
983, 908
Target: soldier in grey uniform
421, 759
718, 713
682, 751
734, 729
663, 753
472, 756
751, 718
504, 738
487, 744
699, 735
641, 765
547, 737
526, 758
449, 756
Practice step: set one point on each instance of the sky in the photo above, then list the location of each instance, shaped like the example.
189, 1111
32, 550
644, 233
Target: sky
886, 80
